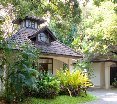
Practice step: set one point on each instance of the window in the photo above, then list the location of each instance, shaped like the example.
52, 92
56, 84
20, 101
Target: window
29, 23
43, 38
46, 64
36, 26
33, 24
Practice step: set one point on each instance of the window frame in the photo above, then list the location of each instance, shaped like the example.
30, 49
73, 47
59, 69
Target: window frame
32, 24
46, 36
46, 63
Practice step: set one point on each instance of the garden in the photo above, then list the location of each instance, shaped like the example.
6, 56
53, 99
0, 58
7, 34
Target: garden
24, 84
91, 30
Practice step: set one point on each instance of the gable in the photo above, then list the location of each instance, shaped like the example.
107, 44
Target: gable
55, 48
43, 31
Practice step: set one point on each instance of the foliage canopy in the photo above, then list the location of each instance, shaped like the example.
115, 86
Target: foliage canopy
99, 30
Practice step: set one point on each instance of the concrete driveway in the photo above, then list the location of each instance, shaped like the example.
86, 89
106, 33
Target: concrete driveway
104, 96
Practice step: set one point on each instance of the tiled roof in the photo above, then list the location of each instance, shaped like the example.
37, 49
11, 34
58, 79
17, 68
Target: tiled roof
58, 48
55, 48
108, 57
21, 37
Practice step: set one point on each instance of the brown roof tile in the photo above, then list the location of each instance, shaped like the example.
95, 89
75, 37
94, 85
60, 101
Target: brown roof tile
56, 47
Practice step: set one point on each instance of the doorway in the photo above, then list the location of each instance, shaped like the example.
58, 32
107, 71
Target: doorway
113, 74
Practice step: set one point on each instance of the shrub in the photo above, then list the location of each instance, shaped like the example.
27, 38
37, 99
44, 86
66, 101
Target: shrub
18, 80
73, 83
47, 86
114, 83
19, 71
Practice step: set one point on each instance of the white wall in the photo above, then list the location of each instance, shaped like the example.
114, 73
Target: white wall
58, 62
57, 65
107, 74
102, 75
96, 78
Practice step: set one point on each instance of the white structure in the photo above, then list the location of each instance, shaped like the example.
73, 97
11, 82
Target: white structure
104, 73
54, 54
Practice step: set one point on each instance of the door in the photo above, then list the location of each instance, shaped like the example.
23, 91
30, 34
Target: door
113, 74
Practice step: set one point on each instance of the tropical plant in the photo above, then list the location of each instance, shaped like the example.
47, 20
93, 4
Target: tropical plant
47, 86
114, 83
19, 71
73, 83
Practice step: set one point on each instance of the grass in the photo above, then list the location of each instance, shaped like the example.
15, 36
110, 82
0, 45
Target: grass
61, 100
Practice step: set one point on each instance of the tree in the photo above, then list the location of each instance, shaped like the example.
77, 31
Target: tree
19, 72
98, 2
99, 30
64, 15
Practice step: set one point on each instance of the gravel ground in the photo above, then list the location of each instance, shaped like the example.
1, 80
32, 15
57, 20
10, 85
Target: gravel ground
104, 96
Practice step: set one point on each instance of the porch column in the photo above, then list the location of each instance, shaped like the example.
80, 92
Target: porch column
107, 75
70, 64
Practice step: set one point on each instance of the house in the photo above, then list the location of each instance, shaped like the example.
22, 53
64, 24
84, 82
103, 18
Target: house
105, 71
53, 53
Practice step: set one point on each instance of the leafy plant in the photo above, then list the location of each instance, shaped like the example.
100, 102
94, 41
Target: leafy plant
115, 83
19, 71
73, 83
47, 86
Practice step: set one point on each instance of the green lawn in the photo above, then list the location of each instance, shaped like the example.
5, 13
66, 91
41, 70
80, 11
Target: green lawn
60, 100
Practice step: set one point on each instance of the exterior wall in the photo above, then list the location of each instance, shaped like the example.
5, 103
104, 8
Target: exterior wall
99, 74
107, 74
57, 65
58, 62
102, 74
96, 79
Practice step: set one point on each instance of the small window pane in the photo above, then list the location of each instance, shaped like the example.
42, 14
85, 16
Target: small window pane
33, 24
50, 60
29, 23
45, 65
50, 68
36, 25
43, 37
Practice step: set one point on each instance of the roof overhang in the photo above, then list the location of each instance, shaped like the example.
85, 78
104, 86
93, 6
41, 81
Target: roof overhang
61, 55
108, 60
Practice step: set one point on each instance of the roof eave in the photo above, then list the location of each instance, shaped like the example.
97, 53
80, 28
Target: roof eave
61, 55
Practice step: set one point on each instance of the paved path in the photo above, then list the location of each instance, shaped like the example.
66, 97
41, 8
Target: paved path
104, 96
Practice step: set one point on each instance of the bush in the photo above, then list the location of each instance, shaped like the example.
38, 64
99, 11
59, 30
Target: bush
19, 71
73, 83
18, 80
114, 83
47, 86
